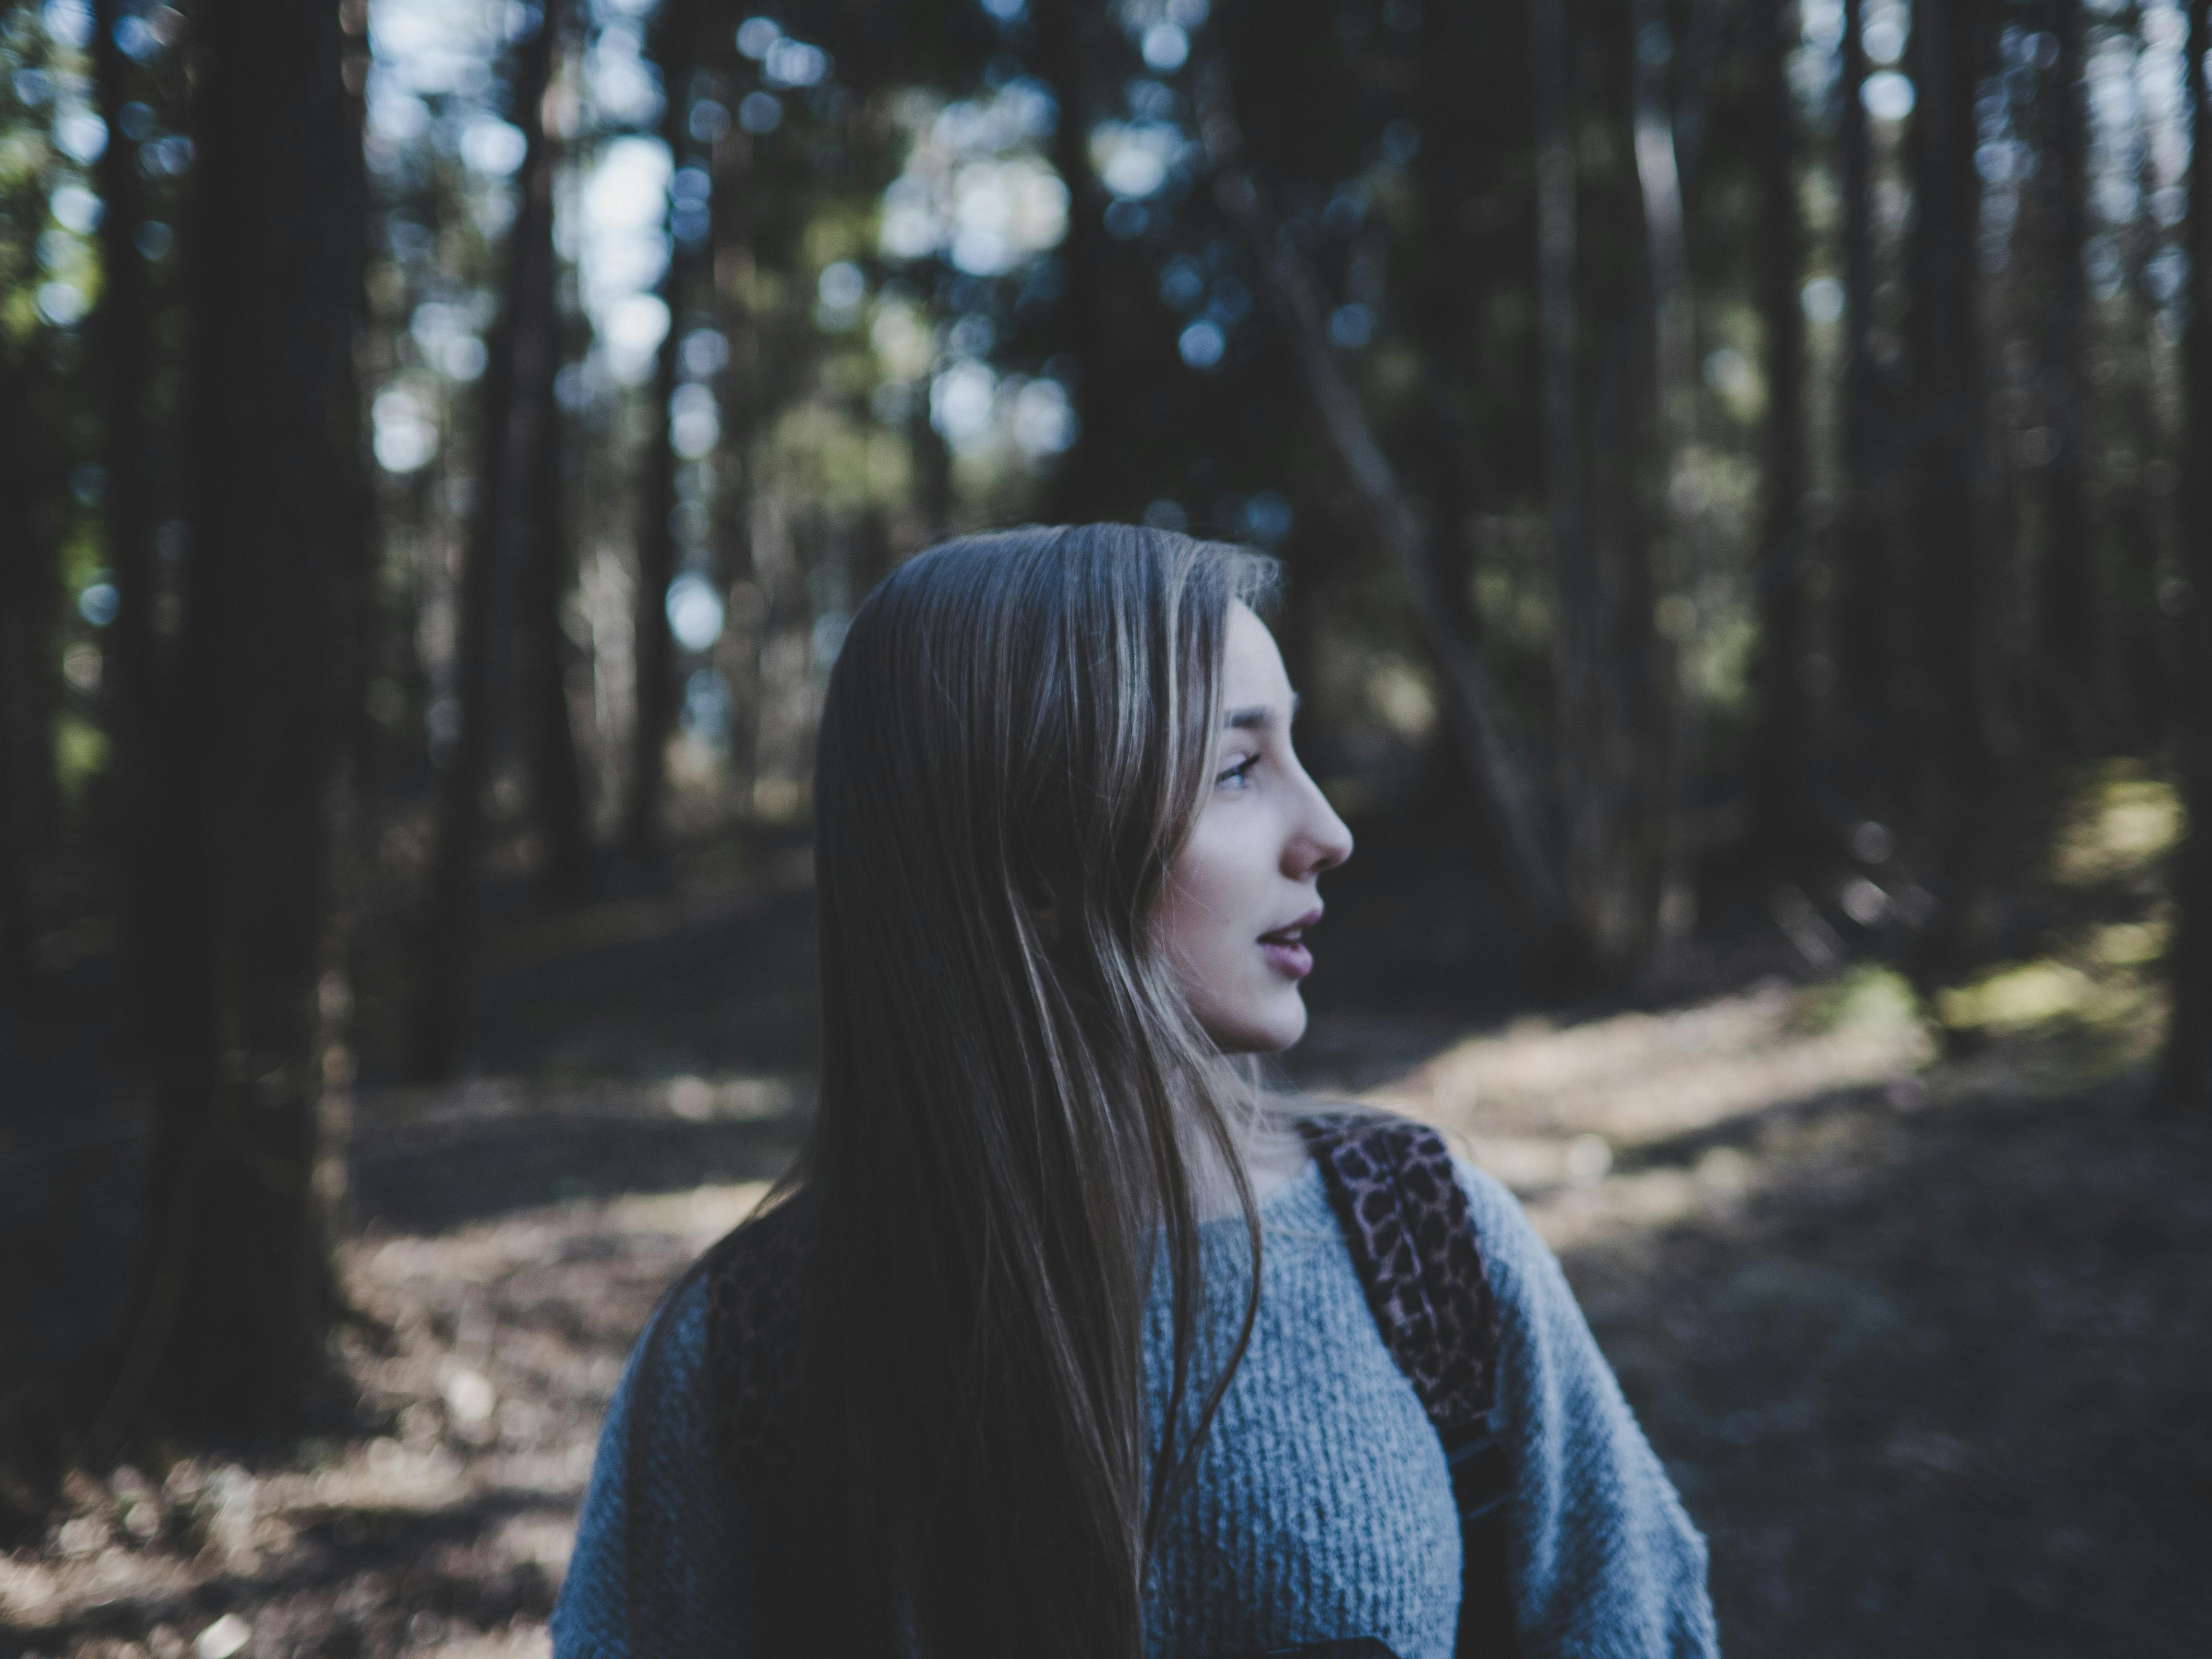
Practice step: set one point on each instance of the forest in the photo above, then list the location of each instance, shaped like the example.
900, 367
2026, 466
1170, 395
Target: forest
1741, 470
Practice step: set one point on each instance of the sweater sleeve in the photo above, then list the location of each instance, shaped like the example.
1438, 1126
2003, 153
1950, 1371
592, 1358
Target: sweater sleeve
1605, 1562
692, 1541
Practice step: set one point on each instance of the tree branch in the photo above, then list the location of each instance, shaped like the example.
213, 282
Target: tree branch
1472, 701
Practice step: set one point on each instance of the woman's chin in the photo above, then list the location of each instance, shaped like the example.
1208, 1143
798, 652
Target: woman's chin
1260, 1031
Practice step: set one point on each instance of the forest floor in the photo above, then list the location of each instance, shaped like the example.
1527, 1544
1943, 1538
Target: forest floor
1916, 1310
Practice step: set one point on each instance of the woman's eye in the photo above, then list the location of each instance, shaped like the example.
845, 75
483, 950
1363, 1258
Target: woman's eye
1238, 773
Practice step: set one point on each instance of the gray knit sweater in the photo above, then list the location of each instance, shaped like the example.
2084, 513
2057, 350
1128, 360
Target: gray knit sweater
1321, 1507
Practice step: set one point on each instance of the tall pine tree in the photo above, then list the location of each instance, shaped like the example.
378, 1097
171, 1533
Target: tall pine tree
237, 1287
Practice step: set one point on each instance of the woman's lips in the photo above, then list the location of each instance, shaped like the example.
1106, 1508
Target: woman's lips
1285, 946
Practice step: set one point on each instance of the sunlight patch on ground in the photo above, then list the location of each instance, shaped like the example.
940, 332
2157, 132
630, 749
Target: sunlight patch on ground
2099, 978
1622, 1128
529, 1642
483, 1252
701, 1215
2017, 998
2122, 825
1527, 1096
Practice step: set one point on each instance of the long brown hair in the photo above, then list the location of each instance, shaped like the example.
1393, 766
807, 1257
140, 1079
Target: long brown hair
1015, 1098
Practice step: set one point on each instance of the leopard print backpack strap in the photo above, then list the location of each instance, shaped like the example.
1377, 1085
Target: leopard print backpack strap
1405, 1220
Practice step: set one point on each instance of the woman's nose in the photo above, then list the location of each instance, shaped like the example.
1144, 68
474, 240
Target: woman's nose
1326, 841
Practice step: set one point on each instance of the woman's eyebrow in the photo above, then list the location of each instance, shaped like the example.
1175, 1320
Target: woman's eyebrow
1258, 717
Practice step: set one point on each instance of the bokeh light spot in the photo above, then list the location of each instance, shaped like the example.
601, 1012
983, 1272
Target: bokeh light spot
1823, 300
695, 425
1202, 345
62, 304
1352, 326
1888, 95
759, 112
1165, 47
404, 437
756, 35
695, 611
99, 601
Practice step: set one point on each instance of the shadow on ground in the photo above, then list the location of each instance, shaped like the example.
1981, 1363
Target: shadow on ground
1937, 1382
416, 1188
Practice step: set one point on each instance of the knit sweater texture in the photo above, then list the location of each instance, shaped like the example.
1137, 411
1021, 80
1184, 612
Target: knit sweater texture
1321, 1508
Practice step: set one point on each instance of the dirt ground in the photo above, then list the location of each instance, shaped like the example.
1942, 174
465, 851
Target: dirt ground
1914, 1310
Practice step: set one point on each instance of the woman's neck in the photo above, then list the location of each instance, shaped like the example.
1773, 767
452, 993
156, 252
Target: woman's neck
1267, 1148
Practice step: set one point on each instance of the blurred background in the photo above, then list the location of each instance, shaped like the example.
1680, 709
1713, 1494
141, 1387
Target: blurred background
1741, 469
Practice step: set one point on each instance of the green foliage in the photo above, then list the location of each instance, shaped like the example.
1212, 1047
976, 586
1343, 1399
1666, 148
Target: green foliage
1867, 997
82, 751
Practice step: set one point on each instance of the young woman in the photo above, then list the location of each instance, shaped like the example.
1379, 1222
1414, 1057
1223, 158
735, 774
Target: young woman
1053, 1343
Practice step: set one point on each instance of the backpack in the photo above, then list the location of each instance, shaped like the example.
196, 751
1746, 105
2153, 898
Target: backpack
1397, 1198
1405, 1218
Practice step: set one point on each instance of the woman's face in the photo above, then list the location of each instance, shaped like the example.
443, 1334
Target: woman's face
1245, 893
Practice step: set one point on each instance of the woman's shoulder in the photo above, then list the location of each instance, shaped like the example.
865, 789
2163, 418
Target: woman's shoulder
749, 1300
662, 1519
735, 1299
750, 1280
1392, 1147
1499, 1220
721, 1354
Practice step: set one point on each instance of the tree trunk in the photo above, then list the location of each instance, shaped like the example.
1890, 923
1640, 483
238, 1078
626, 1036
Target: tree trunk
745, 400
1859, 552
123, 339
1473, 703
534, 450
2135, 673
1594, 742
1778, 771
1091, 481
654, 648
19, 972
1560, 358
357, 613
1623, 765
1953, 769
1675, 398
1470, 129
29, 598
237, 1286
1460, 166
932, 467
2186, 1076
447, 938
2067, 608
